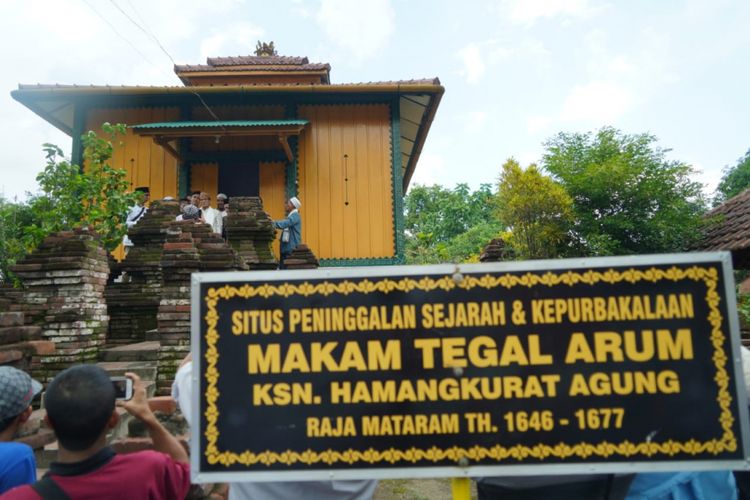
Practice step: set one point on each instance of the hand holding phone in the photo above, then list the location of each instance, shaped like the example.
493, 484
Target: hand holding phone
123, 387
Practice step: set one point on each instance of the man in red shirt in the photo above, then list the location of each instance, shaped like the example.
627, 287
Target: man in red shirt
80, 405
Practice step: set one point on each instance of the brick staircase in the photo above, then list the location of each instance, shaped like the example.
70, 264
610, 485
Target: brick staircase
139, 358
22, 345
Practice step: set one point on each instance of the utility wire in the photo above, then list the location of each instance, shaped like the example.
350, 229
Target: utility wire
117, 32
140, 18
156, 40
148, 33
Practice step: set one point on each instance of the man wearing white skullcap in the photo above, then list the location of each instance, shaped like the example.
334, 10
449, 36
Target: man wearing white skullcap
291, 228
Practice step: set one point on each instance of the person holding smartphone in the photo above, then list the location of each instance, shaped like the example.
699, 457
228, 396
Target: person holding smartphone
80, 403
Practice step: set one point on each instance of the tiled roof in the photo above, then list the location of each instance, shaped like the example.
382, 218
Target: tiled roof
186, 68
728, 225
415, 81
258, 63
252, 60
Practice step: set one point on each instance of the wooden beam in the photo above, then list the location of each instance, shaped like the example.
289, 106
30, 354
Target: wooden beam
285, 144
167, 147
169, 133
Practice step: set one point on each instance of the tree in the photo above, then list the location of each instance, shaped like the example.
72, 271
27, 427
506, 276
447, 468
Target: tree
734, 180
14, 245
448, 225
537, 210
627, 197
70, 197
94, 196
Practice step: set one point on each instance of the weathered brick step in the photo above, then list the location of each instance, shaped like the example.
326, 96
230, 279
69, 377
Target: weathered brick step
144, 369
139, 351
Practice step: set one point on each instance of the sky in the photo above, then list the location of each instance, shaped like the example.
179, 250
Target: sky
516, 72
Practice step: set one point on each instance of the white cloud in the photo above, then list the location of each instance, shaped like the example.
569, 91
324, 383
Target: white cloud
361, 29
527, 12
56, 19
528, 157
592, 104
474, 66
538, 123
474, 121
236, 39
596, 102
528, 49
620, 65
430, 170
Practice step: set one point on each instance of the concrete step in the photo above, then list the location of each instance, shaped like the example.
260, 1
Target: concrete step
139, 351
144, 369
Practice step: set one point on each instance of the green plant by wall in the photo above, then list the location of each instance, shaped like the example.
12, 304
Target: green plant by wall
69, 196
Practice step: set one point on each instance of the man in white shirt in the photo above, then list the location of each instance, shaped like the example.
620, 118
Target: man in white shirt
221, 203
135, 213
211, 216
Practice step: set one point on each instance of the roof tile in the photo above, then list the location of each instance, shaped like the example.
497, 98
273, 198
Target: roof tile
187, 68
253, 60
728, 225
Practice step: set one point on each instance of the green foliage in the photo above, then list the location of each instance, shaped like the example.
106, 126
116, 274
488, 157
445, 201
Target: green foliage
734, 180
69, 198
627, 197
448, 225
537, 210
14, 244
96, 197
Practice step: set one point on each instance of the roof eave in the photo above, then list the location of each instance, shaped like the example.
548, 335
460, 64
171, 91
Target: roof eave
424, 129
400, 88
31, 104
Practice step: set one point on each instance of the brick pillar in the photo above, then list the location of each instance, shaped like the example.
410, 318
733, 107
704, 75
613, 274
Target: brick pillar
189, 248
63, 293
133, 297
250, 232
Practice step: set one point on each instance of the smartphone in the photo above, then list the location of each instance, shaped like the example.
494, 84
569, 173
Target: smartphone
123, 387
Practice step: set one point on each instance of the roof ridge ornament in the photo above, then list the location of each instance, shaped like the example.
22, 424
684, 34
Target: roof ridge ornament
263, 49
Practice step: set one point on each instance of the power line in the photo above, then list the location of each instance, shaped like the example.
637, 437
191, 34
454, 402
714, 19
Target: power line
156, 40
138, 14
111, 26
148, 33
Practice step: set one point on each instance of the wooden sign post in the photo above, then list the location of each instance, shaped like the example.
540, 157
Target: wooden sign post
544, 367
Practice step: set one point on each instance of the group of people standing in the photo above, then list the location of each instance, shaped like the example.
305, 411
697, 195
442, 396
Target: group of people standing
197, 207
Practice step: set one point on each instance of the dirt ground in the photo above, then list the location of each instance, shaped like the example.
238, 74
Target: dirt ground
417, 489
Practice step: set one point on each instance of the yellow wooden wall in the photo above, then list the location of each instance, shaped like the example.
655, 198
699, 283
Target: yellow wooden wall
273, 192
205, 177
364, 227
150, 166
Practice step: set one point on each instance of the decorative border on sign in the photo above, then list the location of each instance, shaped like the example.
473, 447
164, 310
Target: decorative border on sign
605, 449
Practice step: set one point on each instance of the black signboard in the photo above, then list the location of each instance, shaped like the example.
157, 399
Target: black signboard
368, 372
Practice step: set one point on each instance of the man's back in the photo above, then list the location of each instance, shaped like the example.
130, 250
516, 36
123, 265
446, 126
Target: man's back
142, 475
